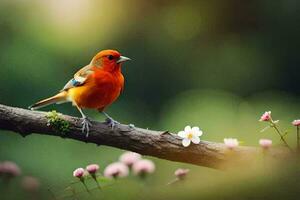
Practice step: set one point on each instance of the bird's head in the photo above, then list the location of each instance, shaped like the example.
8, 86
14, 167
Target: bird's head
109, 60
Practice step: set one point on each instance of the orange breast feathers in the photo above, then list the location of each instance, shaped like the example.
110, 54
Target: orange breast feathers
101, 88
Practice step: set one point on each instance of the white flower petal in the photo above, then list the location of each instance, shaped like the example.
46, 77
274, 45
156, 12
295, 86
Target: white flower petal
195, 129
182, 134
188, 129
198, 133
196, 140
186, 142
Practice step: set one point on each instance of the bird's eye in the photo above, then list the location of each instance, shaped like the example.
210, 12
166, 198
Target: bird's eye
110, 57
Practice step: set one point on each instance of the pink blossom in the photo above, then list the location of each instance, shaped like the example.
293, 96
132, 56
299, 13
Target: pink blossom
296, 122
79, 172
143, 167
115, 170
10, 168
266, 116
129, 158
181, 173
231, 143
265, 143
30, 183
92, 168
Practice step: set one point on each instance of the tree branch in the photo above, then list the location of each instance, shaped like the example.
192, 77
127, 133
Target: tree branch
160, 144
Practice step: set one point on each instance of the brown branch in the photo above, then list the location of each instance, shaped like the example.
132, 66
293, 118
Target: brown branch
160, 144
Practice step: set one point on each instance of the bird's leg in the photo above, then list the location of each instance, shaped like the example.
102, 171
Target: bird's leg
110, 121
85, 123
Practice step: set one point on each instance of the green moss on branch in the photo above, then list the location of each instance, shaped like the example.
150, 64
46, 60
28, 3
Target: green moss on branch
57, 123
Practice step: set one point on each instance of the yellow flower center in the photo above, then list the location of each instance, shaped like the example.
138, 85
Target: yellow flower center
190, 136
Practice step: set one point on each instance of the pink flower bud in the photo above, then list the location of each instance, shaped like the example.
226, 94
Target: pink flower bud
129, 158
266, 116
296, 122
181, 173
10, 168
115, 170
142, 167
78, 172
265, 143
92, 168
231, 143
30, 184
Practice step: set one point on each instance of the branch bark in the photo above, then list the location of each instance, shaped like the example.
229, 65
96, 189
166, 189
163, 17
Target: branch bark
160, 144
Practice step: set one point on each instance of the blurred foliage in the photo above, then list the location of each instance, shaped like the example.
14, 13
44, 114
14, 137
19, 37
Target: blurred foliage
215, 64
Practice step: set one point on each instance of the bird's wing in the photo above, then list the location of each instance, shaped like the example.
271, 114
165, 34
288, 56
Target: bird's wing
79, 78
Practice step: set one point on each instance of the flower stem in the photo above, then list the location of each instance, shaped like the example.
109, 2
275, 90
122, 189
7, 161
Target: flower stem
264, 157
52, 194
173, 181
281, 136
95, 178
74, 193
87, 189
298, 139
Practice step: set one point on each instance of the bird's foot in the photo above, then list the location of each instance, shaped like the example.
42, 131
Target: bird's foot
86, 124
111, 122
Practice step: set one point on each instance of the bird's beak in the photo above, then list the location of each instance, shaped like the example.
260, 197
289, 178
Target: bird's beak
122, 59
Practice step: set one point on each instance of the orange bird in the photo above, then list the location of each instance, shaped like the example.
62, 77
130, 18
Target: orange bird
95, 86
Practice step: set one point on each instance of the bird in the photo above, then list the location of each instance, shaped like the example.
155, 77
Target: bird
95, 86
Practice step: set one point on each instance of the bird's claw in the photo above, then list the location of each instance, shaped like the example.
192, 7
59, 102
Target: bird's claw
111, 122
86, 124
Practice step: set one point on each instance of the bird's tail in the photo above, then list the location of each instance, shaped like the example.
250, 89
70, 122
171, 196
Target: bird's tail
58, 98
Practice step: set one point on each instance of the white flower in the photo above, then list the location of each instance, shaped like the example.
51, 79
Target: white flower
190, 134
231, 142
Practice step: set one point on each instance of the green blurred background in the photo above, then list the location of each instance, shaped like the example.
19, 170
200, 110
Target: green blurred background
214, 64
